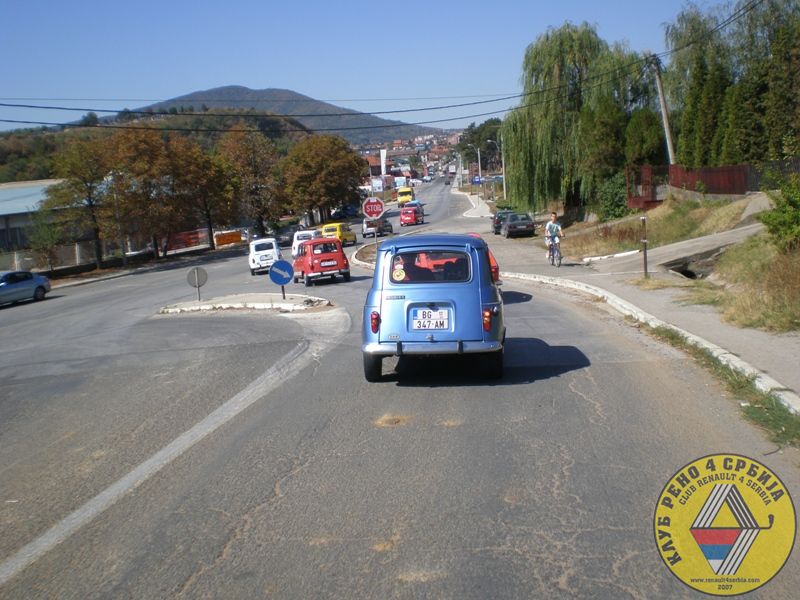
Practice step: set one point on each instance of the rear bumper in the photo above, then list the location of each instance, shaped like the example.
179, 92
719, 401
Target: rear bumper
315, 274
422, 348
259, 268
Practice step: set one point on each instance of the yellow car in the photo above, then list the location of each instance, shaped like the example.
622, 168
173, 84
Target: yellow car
404, 194
340, 231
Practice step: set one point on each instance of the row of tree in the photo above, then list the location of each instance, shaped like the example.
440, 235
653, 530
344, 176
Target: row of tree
590, 108
145, 183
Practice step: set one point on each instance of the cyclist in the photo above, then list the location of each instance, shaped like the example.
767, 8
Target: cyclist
553, 230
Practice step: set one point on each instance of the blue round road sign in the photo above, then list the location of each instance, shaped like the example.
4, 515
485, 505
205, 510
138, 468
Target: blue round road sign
281, 272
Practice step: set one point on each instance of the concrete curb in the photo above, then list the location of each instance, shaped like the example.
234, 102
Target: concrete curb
763, 382
590, 259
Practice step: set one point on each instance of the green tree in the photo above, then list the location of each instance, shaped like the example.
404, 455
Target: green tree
783, 222
201, 185
644, 138
782, 99
691, 109
83, 165
707, 145
90, 119
612, 198
44, 235
253, 161
144, 195
322, 172
554, 70
477, 136
602, 152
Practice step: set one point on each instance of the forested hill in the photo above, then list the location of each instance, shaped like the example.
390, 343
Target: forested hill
287, 102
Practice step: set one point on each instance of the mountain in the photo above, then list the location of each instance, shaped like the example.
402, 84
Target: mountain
287, 102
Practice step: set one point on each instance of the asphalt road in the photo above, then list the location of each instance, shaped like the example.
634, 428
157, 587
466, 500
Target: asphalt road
308, 482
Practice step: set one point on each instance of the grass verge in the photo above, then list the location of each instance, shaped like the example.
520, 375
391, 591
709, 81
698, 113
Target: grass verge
762, 287
674, 221
759, 407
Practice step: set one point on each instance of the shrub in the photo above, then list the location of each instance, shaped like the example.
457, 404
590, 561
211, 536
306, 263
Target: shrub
783, 222
612, 198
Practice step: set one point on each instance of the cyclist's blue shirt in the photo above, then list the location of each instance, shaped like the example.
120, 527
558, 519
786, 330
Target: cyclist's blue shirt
552, 229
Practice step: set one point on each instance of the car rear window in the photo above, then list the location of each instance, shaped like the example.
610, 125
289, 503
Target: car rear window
324, 248
263, 247
432, 266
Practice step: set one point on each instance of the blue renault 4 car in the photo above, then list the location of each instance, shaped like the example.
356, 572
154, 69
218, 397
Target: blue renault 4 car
433, 294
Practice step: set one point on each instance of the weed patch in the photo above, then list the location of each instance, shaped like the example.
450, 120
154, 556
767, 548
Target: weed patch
761, 408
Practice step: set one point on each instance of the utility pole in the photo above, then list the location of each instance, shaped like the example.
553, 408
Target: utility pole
654, 61
478, 150
502, 161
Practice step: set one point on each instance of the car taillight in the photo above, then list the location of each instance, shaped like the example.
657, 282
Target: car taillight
374, 321
487, 319
346, 264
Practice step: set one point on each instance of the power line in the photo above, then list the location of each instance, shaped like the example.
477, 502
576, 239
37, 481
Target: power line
321, 129
212, 99
737, 14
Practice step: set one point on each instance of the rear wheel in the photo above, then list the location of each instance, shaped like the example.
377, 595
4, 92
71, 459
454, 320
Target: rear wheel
306, 280
373, 367
493, 365
38, 293
346, 277
253, 272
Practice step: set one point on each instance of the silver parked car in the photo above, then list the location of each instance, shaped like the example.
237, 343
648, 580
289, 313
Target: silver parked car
433, 294
22, 285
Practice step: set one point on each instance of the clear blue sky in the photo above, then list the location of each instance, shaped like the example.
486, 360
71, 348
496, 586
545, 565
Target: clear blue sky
134, 53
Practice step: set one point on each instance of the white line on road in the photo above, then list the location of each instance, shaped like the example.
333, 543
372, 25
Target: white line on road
303, 354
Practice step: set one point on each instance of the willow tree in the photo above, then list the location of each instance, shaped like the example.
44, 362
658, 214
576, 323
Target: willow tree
578, 95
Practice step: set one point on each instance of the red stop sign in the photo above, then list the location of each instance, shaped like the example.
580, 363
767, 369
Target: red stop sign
372, 207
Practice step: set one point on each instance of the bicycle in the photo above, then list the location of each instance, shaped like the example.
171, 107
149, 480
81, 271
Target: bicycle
554, 254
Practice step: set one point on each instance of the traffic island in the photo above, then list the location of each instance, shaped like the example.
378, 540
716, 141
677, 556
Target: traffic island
272, 302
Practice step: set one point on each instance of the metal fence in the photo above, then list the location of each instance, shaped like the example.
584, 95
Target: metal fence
82, 253
647, 185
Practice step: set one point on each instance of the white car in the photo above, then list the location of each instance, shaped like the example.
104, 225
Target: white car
263, 252
302, 236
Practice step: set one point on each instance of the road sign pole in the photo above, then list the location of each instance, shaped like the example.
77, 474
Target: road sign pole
283, 291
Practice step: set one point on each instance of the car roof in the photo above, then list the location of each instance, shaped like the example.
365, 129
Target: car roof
321, 240
432, 239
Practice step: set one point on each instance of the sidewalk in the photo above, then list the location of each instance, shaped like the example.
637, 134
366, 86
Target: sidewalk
771, 358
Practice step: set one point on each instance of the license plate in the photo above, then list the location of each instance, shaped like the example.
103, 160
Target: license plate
426, 318
328, 263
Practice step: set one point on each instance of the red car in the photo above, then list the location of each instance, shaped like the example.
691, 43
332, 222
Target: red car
320, 257
410, 215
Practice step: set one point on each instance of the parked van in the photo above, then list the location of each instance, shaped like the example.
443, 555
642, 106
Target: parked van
404, 194
263, 252
302, 236
341, 231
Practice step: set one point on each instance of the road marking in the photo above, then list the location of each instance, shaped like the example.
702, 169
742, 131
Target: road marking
304, 353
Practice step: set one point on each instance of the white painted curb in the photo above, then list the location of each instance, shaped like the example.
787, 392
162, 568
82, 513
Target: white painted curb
763, 382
